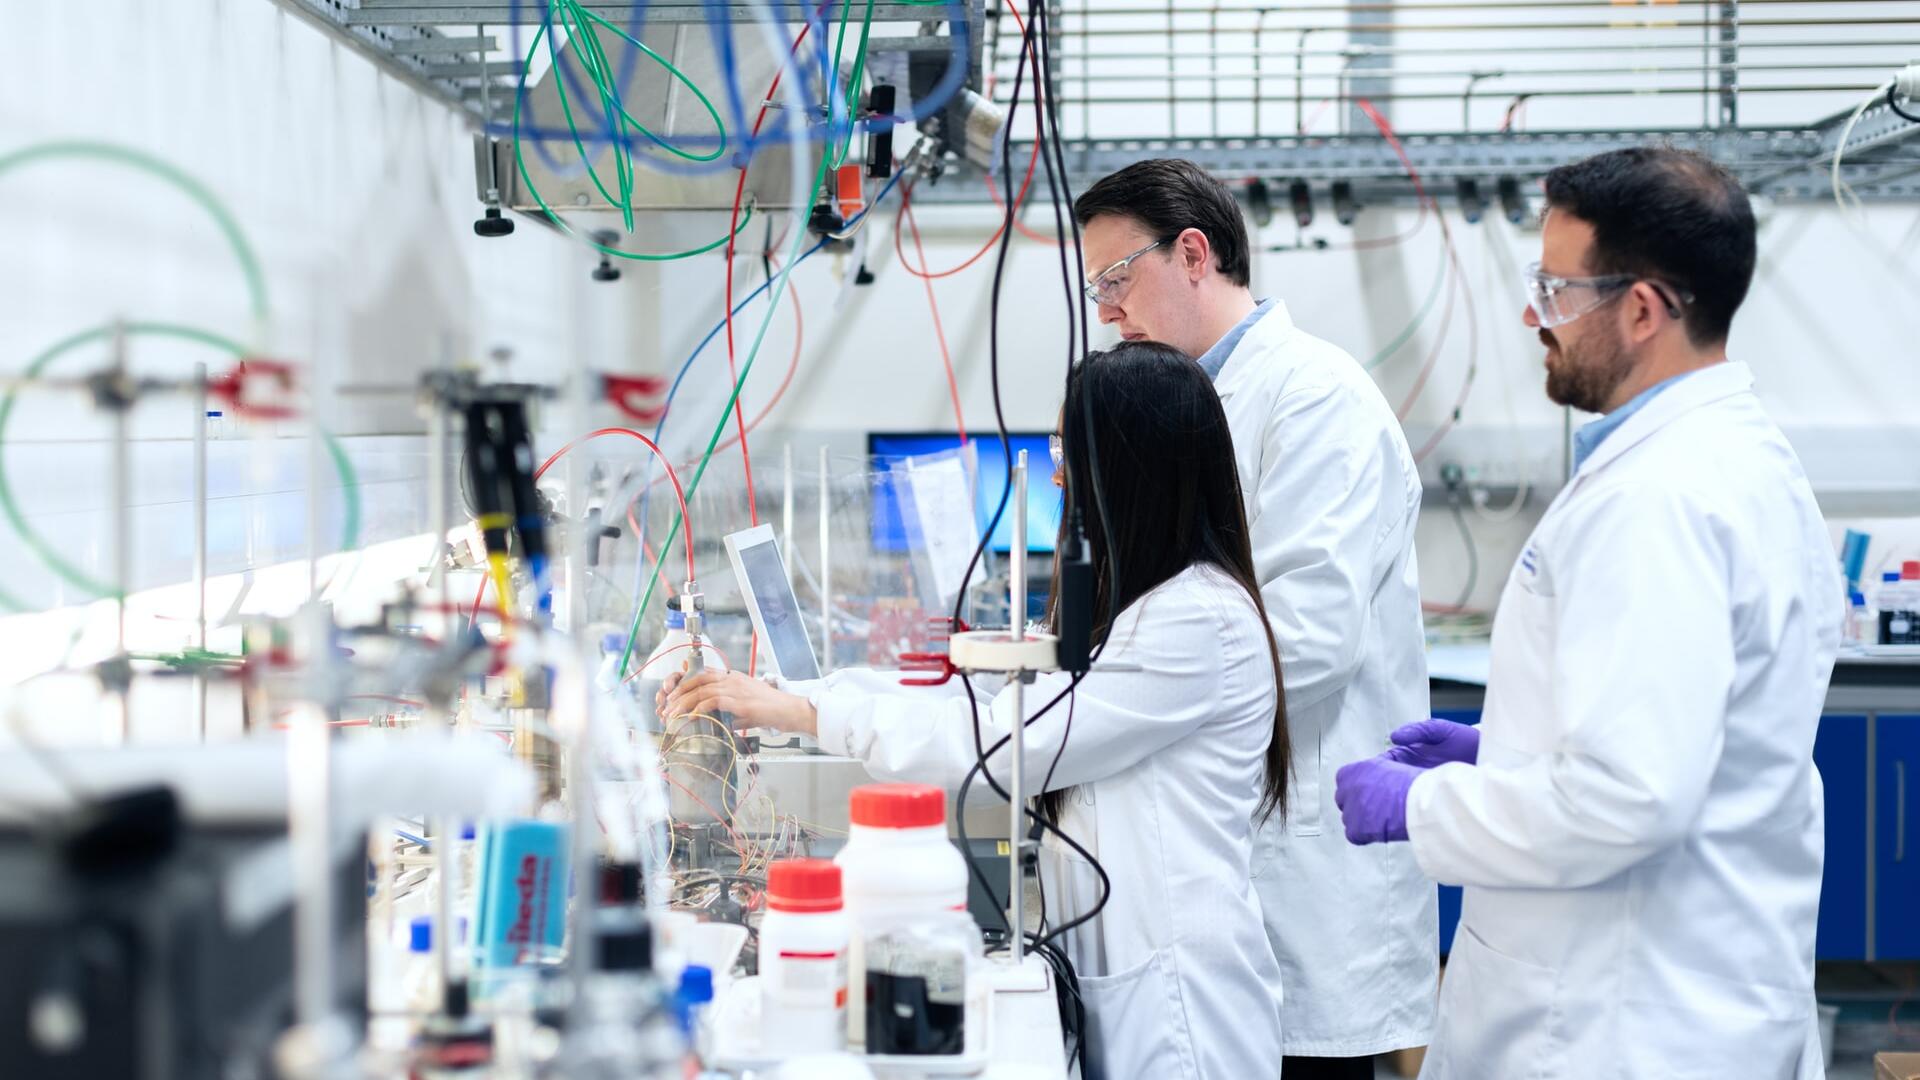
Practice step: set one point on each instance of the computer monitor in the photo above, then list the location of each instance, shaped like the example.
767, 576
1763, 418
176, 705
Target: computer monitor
771, 603
1043, 499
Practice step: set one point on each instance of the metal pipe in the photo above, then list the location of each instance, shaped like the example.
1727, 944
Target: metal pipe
1448, 96
1435, 28
786, 507
1417, 73
1299, 86
445, 866
826, 568
200, 545
1415, 50
1469, 5
1016, 790
121, 483
309, 835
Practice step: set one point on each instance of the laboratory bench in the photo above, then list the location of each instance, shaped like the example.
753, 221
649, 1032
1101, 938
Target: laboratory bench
1868, 753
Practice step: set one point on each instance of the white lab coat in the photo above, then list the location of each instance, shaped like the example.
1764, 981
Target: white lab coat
1641, 840
1332, 495
1165, 763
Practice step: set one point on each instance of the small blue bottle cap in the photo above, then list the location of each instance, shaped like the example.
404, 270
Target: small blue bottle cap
420, 934
1858, 599
696, 984
1889, 576
613, 643
467, 831
677, 620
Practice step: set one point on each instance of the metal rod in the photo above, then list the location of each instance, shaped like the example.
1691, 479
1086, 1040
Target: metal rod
826, 568
121, 483
309, 790
1436, 28
200, 545
1016, 792
1172, 114
445, 866
1420, 73
1730, 64
1416, 50
1459, 5
1453, 96
786, 507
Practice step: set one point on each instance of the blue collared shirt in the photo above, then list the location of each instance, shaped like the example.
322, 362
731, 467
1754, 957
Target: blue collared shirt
1590, 436
1215, 358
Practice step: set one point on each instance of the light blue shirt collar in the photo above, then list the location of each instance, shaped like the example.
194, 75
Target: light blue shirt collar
1215, 358
1590, 436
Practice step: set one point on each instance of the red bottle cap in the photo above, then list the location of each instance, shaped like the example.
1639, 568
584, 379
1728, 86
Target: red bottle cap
803, 885
1910, 570
898, 806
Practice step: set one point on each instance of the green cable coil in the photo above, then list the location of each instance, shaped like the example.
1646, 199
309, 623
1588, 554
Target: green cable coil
17, 518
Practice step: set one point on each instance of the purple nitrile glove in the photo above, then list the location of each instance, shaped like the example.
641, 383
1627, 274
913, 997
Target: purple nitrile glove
1426, 743
1372, 797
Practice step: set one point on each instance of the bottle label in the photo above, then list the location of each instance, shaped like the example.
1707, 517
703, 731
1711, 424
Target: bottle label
811, 978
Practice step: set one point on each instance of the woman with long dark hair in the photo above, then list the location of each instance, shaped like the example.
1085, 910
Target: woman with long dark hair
1158, 767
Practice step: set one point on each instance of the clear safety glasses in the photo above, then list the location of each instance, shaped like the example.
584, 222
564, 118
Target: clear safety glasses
1057, 450
1557, 301
1110, 286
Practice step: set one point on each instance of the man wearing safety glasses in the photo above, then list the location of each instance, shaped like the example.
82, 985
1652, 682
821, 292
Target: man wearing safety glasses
1637, 818
1332, 496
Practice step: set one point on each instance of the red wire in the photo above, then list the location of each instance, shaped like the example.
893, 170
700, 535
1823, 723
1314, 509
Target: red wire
683, 645
678, 492
946, 357
793, 368
646, 549
793, 365
479, 597
1453, 257
733, 224
1019, 200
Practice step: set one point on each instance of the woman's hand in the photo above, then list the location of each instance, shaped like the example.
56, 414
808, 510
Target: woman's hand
753, 703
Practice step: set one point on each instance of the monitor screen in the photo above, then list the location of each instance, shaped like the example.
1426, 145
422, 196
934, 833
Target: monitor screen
1043, 499
775, 611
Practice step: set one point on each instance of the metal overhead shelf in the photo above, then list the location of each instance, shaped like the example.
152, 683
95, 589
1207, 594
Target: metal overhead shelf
446, 48
1299, 56
1882, 161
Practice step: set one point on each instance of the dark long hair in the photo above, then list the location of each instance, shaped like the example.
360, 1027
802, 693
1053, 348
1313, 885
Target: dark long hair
1169, 486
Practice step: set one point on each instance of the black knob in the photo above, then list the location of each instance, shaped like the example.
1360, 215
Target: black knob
493, 223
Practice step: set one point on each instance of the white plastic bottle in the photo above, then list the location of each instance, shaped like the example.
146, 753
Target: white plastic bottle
803, 960
897, 863
1894, 606
670, 656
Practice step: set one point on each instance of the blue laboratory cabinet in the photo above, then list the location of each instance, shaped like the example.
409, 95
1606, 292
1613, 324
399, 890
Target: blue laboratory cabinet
1869, 763
1894, 872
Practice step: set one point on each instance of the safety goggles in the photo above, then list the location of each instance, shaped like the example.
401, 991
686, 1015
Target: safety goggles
1557, 301
1110, 286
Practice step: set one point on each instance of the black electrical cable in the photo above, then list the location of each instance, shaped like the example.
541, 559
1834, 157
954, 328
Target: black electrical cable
1069, 984
1046, 785
1006, 490
1073, 282
1893, 95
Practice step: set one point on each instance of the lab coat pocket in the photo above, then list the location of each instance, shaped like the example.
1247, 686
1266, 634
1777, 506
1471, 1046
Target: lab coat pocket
1303, 793
1136, 1026
1499, 1017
